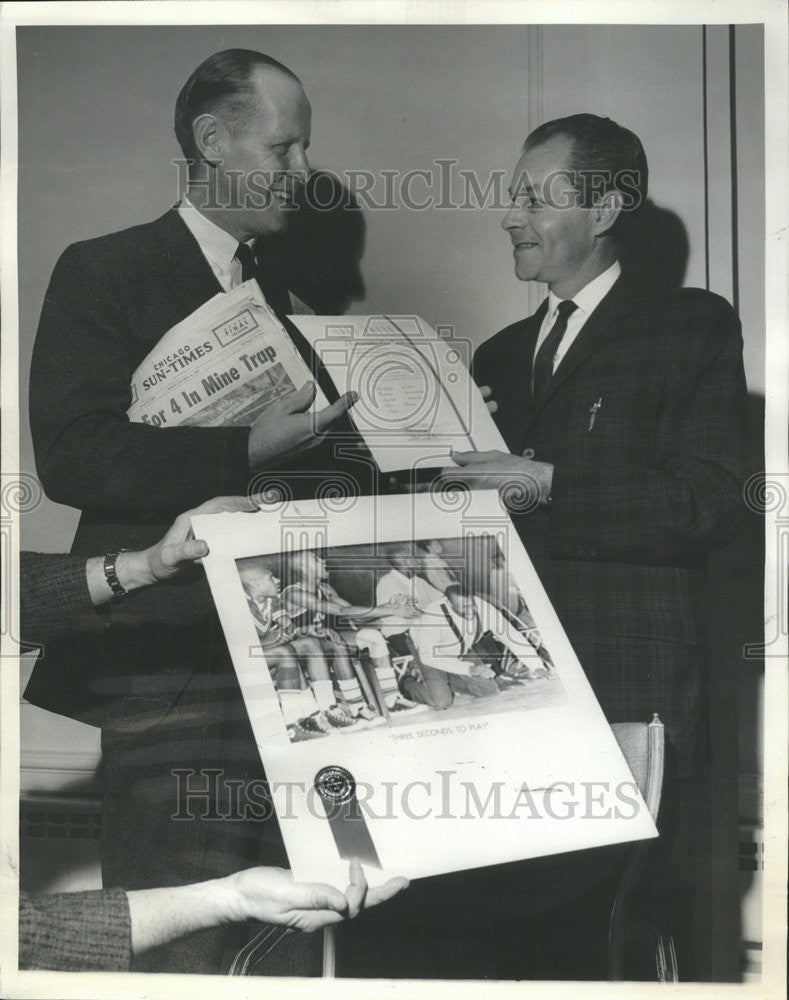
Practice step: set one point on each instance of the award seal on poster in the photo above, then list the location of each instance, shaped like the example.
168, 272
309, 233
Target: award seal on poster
336, 787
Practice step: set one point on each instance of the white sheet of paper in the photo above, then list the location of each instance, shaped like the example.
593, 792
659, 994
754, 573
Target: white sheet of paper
417, 401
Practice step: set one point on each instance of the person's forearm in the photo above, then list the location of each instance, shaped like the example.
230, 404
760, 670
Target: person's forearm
643, 514
161, 915
74, 931
364, 613
131, 568
54, 596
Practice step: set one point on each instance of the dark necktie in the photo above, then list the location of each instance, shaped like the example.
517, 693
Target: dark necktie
246, 258
276, 296
543, 362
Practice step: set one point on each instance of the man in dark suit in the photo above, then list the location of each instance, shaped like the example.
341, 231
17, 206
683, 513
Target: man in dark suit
623, 408
165, 695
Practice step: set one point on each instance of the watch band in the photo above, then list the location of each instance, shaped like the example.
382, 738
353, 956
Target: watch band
337, 790
111, 576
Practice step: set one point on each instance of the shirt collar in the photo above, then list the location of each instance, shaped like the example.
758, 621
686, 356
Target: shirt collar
218, 246
591, 295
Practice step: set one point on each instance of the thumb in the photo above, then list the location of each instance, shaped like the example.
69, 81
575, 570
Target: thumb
182, 552
302, 399
326, 897
463, 457
326, 417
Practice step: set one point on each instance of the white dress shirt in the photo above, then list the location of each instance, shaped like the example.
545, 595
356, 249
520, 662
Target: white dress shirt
397, 584
586, 301
217, 246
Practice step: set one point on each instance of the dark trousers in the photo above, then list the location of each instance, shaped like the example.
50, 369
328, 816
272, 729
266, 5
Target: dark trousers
186, 800
433, 687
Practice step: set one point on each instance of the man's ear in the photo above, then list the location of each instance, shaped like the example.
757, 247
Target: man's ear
606, 212
209, 133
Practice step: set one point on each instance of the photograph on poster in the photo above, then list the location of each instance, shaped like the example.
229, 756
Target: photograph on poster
369, 635
418, 626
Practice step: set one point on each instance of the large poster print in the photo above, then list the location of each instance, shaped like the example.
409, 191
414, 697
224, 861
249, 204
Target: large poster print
410, 687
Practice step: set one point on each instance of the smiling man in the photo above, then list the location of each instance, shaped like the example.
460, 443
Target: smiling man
623, 408
164, 693
243, 122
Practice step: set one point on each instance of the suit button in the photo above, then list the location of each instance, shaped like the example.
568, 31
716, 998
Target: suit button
580, 551
528, 453
593, 551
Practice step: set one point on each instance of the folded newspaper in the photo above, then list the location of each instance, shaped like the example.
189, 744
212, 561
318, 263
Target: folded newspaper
229, 360
221, 366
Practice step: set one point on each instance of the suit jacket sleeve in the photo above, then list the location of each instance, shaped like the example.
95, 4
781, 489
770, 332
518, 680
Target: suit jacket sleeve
75, 931
690, 500
53, 597
88, 453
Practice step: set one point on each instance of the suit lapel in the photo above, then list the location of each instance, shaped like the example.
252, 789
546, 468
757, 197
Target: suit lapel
184, 267
527, 341
602, 324
191, 278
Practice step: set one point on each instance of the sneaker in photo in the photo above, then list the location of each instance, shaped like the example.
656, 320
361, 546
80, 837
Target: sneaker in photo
401, 704
369, 718
316, 723
297, 733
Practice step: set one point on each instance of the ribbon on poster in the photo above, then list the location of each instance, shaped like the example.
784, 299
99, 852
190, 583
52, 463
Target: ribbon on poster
336, 788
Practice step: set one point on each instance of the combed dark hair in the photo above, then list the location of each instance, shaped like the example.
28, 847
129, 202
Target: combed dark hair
221, 82
605, 157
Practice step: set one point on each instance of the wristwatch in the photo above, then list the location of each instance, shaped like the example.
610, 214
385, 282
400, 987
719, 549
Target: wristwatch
111, 576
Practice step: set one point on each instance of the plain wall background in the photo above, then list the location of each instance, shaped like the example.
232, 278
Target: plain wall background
96, 150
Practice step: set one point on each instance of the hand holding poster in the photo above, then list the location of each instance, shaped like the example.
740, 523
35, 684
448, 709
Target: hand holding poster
409, 685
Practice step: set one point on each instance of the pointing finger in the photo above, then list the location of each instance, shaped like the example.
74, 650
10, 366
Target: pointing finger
326, 417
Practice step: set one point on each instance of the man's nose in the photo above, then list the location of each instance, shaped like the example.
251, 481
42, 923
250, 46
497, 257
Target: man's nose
299, 162
513, 218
